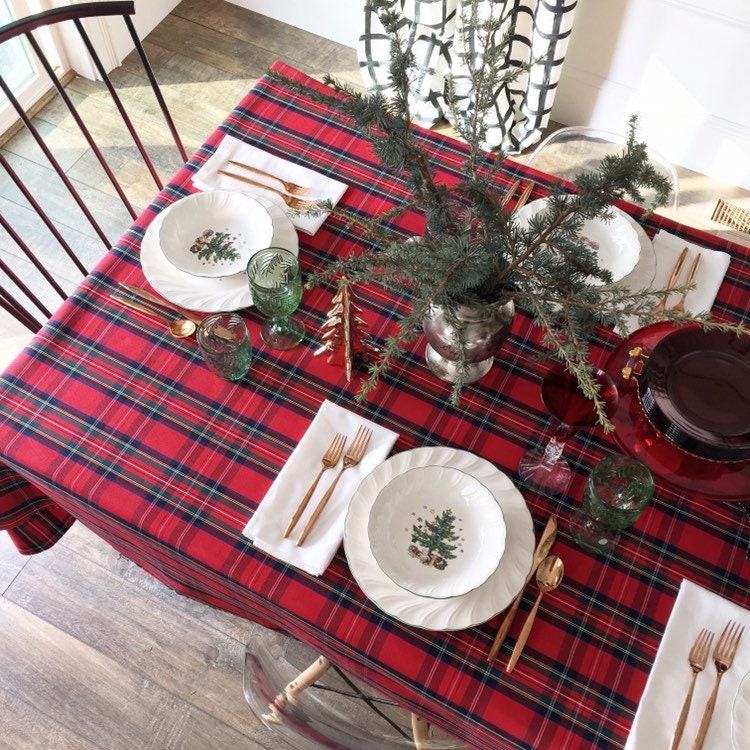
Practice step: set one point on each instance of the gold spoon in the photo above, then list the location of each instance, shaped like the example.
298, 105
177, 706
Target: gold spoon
549, 574
542, 550
180, 328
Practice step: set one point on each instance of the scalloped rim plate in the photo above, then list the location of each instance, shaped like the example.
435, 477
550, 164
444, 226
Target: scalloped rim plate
618, 243
459, 612
220, 294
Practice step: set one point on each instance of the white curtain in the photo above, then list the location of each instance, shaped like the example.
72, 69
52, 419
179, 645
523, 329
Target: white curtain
434, 30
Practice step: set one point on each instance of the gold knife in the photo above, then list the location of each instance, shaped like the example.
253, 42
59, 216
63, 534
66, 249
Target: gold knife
672, 281
542, 550
157, 300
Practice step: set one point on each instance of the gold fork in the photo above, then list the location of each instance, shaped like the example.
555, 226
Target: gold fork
290, 200
525, 195
724, 653
510, 192
680, 306
697, 659
330, 459
291, 187
352, 457
660, 307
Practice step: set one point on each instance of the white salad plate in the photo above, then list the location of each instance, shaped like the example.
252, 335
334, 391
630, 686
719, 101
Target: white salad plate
458, 612
222, 293
436, 531
614, 240
215, 233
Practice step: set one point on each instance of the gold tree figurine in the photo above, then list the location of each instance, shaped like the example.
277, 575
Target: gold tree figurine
344, 337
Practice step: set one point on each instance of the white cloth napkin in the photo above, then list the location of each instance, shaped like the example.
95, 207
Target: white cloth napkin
667, 685
713, 267
266, 527
321, 187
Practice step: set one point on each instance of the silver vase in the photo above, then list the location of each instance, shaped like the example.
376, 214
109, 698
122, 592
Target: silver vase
483, 329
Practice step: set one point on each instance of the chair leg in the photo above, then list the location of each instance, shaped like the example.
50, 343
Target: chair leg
301, 682
420, 730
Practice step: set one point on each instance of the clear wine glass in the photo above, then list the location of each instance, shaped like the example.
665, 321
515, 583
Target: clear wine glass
570, 409
276, 284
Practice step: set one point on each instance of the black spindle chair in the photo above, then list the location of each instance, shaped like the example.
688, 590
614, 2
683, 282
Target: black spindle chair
32, 234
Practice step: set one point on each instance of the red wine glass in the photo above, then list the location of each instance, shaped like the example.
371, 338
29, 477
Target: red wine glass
570, 409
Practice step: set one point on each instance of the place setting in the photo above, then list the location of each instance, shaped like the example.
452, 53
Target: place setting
195, 251
698, 692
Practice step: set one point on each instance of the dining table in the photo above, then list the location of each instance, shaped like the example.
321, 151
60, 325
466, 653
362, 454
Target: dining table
109, 421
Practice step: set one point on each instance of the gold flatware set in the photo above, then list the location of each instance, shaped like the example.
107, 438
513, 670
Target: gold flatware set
290, 187
679, 307
542, 550
179, 327
548, 571
354, 454
522, 198
291, 199
723, 657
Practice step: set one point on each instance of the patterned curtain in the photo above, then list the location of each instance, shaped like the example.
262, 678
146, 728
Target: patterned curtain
435, 33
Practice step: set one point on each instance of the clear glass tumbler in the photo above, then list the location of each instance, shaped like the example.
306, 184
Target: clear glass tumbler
224, 342
617, 491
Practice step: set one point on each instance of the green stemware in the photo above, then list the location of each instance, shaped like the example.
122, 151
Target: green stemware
276, 284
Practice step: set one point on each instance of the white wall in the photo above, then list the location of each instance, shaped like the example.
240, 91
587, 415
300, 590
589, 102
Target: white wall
338, 20
680, 64
109, 36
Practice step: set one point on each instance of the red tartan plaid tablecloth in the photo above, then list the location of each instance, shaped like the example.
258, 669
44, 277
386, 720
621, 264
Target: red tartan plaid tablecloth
110, 421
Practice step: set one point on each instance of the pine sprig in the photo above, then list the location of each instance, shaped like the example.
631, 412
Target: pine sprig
474, 249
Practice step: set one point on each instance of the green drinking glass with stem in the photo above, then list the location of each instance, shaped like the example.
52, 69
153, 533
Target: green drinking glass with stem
275, 281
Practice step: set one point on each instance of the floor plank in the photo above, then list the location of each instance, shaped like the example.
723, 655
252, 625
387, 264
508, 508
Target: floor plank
93, 695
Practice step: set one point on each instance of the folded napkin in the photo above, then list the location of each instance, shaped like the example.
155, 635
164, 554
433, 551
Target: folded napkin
695, 608
321, 187
710, 274
266, 527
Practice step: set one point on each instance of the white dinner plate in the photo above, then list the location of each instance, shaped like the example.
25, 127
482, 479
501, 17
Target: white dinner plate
642, 276
619, 241
222, 293
458, 612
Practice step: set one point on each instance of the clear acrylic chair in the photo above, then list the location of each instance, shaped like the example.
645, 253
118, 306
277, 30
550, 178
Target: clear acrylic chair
575, 149
50, 230
313, 704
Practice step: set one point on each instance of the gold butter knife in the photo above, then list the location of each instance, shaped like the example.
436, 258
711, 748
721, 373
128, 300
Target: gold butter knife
542, 550
157, 300
660, 307
680, 306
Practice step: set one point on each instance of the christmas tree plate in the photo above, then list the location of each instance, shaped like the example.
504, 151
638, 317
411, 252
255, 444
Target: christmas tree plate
456, 612
222, 293
436, 531
215, 233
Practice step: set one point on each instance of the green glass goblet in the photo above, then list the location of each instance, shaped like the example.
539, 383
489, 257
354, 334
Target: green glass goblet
276, 285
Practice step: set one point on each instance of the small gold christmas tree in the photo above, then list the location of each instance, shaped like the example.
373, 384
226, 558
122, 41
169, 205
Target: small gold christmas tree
344, 337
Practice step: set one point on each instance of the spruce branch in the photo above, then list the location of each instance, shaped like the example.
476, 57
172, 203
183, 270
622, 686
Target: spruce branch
475, 249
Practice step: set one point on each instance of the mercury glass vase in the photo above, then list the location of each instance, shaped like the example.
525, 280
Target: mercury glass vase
482, 328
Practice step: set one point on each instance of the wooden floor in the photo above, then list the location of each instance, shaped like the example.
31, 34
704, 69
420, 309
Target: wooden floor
94, 653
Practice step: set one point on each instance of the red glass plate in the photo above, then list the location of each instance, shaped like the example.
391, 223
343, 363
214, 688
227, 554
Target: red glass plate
695, 388
637, 436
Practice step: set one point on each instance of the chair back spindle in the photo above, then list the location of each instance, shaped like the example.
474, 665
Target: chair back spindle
29, 270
